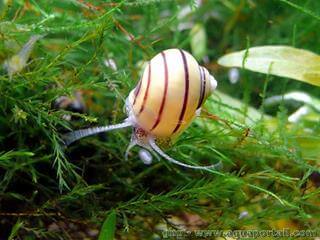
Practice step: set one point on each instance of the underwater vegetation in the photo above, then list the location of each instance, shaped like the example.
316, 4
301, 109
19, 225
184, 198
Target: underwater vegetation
73, 70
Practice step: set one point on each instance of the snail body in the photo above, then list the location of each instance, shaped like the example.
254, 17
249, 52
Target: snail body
170, 93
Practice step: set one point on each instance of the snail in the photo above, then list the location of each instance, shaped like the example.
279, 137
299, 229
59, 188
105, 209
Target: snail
72, 104
169, 95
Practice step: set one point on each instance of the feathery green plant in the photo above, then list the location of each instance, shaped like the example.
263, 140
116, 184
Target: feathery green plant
49, 191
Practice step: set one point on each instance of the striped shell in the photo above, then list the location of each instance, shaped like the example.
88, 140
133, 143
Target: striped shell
173, 86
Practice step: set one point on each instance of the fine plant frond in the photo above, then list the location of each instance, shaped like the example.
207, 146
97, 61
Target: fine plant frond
261, 125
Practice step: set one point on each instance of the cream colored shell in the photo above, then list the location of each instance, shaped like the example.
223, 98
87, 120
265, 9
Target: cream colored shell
173, 86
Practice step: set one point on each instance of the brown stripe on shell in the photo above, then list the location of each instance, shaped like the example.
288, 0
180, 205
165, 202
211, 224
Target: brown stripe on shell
203, 86
137, 91
186, 91
164, 93
147, 90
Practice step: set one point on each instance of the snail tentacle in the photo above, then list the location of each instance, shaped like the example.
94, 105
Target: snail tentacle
78, 134
170, 159
133, 142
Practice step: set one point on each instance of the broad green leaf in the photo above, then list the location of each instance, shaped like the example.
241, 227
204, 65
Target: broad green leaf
198, 41
283, 61
298, 96
108, 227
235, 111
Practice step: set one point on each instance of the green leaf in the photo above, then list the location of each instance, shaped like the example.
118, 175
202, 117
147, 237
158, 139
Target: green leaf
283, 61
108, 228
15, 229
232, 108
4, 156
198, 41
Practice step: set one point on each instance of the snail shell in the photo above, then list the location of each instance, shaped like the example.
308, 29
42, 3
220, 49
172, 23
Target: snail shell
173, 86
